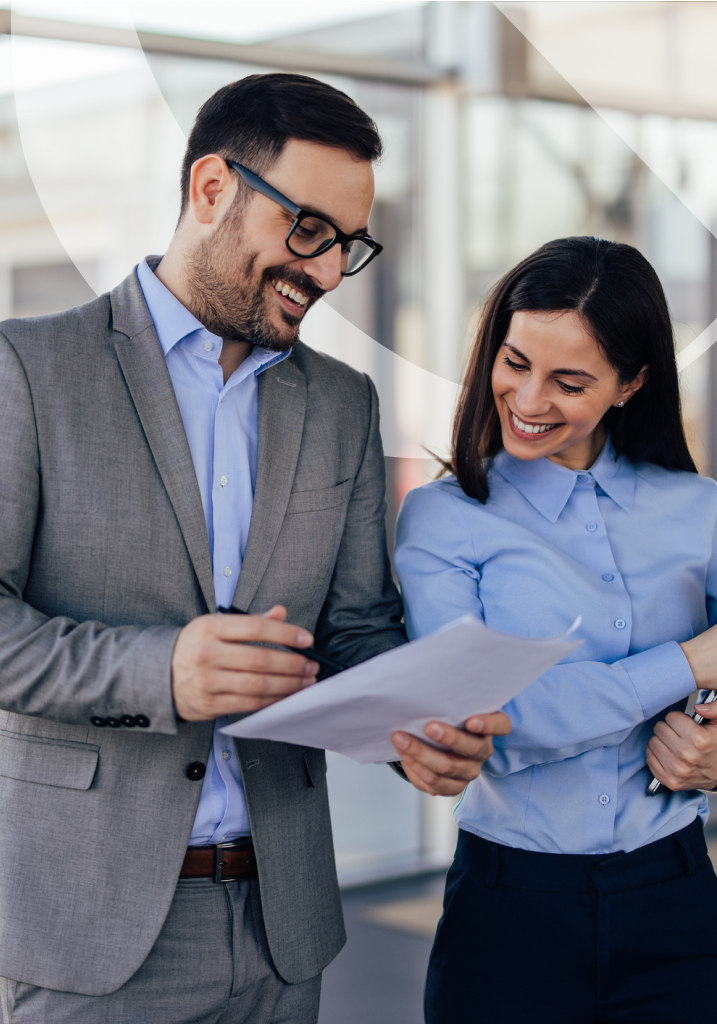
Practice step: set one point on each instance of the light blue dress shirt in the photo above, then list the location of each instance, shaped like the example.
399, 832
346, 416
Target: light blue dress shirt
630, 547
221, 423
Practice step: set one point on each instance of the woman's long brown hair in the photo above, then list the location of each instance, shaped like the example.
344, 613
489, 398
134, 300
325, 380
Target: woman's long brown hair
619, 296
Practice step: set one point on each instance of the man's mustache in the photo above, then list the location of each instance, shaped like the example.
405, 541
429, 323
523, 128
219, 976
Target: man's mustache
297, 280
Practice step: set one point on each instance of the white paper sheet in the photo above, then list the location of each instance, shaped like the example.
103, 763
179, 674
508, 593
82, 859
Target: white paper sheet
461, 670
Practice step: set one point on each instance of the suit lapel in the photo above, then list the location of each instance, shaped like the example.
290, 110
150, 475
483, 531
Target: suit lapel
145, 371
282, 406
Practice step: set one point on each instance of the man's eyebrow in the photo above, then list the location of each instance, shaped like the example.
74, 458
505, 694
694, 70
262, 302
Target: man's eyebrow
561, 372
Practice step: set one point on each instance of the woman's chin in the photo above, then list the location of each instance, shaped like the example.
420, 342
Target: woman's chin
527, 451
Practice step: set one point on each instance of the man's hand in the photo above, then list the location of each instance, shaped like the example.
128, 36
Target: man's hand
215, 671
682, 754
448, 772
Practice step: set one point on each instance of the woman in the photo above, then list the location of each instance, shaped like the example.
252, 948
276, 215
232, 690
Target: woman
574, 896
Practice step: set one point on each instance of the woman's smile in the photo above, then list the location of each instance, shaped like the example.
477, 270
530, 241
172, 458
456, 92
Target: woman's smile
530, 431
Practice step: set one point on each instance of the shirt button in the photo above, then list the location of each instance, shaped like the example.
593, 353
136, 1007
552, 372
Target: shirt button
620, 623
591, 527
223, 481
582, 478
608, 577
226, 754
227, 570
604, 799
208, 346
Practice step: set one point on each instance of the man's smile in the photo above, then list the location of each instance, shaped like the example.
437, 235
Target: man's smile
294, 300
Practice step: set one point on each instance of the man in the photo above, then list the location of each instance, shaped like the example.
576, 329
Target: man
167, 449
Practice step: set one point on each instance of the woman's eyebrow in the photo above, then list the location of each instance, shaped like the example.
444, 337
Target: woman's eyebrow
574, 373
562, 373
517, 352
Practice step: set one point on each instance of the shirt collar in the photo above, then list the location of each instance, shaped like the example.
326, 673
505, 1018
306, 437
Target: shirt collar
173, 321
548, 486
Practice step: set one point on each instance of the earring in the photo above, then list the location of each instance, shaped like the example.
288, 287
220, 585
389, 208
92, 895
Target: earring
620, 405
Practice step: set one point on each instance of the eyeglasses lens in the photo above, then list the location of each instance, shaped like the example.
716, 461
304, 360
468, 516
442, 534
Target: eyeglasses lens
313, 235
358, 255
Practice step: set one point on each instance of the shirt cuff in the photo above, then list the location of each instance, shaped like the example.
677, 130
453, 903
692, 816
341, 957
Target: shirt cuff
661, 677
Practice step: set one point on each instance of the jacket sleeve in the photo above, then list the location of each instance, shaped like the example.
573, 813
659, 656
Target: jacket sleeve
57, 668
574, 707
362, 614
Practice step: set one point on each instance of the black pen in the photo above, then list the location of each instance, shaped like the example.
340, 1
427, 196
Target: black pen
330, 666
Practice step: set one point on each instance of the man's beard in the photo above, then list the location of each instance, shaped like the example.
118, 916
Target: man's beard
228, 298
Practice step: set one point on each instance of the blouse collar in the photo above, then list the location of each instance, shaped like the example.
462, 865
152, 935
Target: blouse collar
548, 486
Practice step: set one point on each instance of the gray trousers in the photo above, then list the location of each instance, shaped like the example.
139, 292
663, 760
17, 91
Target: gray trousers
209, 965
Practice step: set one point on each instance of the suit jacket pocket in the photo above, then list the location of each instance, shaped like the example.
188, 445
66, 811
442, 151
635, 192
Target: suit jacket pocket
316, 501
48, 762
315, 761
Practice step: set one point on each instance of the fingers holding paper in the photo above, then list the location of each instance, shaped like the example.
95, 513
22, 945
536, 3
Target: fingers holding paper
447, 772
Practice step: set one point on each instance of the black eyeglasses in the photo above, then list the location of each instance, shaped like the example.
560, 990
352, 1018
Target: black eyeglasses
311, 235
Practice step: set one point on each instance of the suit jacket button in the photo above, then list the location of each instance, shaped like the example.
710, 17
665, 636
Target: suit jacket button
196, 771
128, 721
99, 722
141, 721
114, 723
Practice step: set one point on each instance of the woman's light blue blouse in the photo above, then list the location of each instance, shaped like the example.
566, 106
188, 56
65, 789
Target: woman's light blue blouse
630, 548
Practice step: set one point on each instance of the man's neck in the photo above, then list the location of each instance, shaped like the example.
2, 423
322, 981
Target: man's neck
169, 270
233, 355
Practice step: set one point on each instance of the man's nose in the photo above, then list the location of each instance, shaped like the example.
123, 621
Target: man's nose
325, 270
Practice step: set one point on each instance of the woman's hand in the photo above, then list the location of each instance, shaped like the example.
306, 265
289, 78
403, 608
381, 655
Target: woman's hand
701, 654
448, 772
683, 755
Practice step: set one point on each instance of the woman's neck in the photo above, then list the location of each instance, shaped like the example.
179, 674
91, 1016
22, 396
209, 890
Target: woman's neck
583, 454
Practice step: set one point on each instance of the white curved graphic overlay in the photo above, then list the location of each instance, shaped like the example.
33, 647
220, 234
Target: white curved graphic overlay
121, 130
582, 65
92, 138
416, 405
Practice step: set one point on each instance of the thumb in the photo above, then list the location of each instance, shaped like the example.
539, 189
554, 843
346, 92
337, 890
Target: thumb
708, 711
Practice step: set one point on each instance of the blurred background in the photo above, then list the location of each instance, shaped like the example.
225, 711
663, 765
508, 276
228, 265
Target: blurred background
506, 124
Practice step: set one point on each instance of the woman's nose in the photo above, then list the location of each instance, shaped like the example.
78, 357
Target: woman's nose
531, 399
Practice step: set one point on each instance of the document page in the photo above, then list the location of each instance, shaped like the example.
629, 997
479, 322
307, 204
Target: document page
461, 670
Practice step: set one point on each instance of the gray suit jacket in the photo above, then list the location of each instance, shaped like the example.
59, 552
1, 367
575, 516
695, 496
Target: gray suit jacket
104, 557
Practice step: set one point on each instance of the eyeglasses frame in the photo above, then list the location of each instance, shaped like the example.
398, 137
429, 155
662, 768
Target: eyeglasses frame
264, 188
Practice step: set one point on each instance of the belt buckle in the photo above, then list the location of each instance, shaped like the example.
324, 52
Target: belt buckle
219, 863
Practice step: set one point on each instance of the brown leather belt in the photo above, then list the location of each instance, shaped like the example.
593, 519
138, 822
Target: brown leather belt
223, 862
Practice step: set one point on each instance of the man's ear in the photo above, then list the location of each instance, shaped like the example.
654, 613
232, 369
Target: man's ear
212, 187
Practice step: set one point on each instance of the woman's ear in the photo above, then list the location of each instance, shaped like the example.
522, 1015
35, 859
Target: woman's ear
629, 389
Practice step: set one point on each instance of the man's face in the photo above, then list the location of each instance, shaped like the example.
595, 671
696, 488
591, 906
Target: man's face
237, 275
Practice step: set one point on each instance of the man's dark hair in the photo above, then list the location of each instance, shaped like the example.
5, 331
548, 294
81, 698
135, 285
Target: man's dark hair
250, 121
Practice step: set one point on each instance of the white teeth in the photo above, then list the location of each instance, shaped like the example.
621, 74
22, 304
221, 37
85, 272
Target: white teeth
286, 289
532, 428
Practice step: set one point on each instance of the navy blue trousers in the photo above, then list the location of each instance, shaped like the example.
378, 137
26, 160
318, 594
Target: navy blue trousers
541, 938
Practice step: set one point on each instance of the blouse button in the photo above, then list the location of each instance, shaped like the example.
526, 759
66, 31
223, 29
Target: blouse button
620, 623
592, 527
582, 478
608, 577
604, 799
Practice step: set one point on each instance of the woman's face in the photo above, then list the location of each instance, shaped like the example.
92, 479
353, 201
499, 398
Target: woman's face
552, 386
